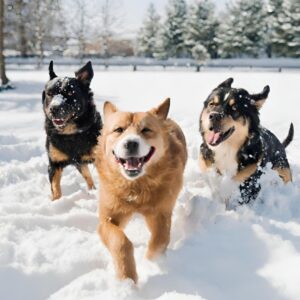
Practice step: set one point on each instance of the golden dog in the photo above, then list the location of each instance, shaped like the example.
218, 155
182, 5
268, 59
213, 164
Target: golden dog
140, 160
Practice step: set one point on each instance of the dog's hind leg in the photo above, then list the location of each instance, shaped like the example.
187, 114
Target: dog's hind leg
85, 172
120, 248
55, 177
284, 173
159, 225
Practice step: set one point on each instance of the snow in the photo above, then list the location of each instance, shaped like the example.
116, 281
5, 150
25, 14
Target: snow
57, 100
50, 250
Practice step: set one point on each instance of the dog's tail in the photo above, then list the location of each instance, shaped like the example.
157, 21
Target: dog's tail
290, 136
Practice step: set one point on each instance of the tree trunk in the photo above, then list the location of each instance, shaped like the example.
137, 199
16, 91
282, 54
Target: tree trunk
105, 38
20, 5
39, 33
81, 35
269, 50
4, 79
40, 48
22, 40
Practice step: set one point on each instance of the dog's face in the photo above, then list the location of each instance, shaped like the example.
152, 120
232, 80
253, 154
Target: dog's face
229, 113
134, 141
65, 98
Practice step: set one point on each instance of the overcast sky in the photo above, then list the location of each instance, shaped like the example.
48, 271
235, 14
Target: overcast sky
134, 11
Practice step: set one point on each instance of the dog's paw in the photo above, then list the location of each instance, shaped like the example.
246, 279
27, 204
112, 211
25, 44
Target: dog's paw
55, 197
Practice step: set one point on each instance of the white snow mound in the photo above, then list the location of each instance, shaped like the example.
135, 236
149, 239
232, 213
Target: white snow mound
50, 250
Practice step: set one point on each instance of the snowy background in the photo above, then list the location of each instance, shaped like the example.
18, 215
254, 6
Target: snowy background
50, 250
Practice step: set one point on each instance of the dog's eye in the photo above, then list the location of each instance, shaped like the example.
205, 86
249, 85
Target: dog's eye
211, 104
119, 130
50, 94
146, 129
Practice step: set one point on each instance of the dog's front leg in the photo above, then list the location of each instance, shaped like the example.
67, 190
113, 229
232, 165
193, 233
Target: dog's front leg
159, 225
120, 248
55, 177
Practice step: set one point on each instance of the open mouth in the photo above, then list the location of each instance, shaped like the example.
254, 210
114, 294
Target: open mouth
133, 166
59, 122
217, 137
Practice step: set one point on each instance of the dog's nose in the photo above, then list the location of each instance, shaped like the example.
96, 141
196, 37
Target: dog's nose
54, 109
214, 120
131, 146
215, 117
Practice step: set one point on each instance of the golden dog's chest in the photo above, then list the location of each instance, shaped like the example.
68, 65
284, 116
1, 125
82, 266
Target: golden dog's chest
132, 198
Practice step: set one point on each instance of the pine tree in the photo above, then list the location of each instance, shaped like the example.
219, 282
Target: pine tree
284, 27
172, 42
274, 8
294, 42
202, 26
244, 29
148, 35
200, 53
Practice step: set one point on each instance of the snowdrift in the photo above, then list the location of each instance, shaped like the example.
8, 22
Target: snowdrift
50, 250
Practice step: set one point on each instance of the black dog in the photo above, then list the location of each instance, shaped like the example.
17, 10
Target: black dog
72, 124
235, 144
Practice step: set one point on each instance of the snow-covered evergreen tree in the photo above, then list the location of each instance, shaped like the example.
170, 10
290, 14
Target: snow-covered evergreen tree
147, 40
200, 53
294, 42
244, 29
172, 43
284, 27
202, 26
274, 8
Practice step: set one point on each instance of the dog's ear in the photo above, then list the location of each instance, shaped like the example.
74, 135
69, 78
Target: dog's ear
85, 74
51, 71
259, 99
43, 97
226, 84
108, 109
162, 110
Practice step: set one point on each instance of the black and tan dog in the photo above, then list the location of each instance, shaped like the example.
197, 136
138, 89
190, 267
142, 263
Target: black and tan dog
72, 124
235, 144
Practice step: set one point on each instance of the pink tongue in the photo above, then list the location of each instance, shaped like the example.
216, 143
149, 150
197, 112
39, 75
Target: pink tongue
213, 137
132, 163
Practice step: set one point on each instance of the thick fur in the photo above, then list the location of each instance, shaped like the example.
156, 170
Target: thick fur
69, 101
152, 194
235, 144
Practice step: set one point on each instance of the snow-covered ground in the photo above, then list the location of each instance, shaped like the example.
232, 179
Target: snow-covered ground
50, 250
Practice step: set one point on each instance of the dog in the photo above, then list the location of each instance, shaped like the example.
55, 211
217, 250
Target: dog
235, 144
72, 125
140, 161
